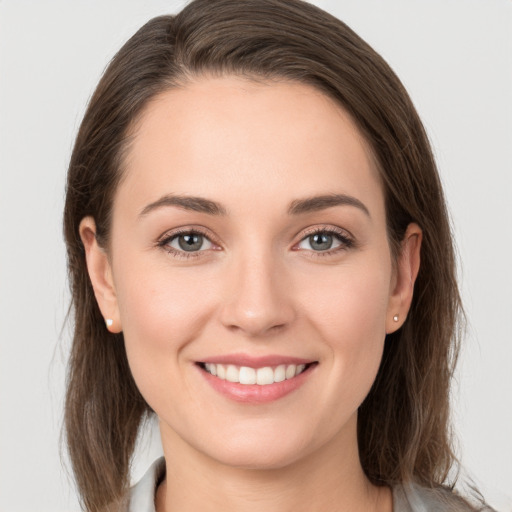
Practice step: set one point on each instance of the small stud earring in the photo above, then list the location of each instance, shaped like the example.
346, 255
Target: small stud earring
109, 322
395, 318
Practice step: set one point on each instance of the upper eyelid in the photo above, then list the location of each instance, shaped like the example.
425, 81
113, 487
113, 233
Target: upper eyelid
326, 229
173, 233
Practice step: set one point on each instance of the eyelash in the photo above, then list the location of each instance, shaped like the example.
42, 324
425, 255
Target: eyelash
346, 242
168, 238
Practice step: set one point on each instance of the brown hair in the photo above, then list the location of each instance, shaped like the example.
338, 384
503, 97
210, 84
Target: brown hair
403, 424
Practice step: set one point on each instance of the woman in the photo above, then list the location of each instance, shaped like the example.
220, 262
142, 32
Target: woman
260, 255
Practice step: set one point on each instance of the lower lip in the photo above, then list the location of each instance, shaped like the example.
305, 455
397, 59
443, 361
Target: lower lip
255, 393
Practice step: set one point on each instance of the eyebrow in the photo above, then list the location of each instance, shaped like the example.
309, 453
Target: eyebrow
297, 207
317, 203
196, 204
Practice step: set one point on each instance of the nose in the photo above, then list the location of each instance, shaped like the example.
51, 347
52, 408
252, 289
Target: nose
258, 299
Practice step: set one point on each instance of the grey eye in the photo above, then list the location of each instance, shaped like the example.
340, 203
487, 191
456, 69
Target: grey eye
190, 242
321, 241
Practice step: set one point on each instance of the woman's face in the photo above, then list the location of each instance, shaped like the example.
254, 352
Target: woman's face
249, 240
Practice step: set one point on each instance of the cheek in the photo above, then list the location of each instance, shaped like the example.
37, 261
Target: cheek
350, 303
349, 311
161, 312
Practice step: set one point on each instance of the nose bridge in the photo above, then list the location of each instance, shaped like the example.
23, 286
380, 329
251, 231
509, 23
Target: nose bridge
256, 300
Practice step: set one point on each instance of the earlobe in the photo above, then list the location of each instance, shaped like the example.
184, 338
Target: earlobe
100, 274
407, 268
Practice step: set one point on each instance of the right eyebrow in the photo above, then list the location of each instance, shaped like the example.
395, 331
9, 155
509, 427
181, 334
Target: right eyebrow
194, 203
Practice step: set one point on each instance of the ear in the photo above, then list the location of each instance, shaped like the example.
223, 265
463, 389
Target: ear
100, 273
407, 267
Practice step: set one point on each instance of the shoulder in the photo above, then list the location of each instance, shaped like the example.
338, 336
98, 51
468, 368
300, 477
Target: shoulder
141, 497
414, 498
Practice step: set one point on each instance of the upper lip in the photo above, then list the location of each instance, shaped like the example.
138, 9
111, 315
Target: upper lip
255, 361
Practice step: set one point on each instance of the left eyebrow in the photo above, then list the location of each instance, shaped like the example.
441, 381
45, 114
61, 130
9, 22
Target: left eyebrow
317, 203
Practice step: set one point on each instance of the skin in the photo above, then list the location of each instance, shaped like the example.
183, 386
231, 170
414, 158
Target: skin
257, 286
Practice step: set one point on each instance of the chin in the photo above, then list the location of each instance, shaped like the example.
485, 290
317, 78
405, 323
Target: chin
272, 451
259, 459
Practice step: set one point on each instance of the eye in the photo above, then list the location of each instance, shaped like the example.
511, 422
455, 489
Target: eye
190, 242
325, 240
186, 243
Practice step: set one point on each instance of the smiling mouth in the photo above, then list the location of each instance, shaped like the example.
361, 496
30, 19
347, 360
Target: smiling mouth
263, 376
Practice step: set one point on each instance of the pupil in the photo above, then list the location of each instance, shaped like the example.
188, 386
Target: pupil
321, 241
190, 242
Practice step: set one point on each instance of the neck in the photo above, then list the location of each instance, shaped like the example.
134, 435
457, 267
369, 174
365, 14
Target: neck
330, 479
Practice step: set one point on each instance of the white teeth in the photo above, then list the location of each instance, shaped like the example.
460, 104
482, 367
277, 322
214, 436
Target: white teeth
264, 376
261, 376
280, 373
212, 368
221, 371
247, 375
232, 373
290, 371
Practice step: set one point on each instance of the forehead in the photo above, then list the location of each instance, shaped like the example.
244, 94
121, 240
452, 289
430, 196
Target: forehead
266, 139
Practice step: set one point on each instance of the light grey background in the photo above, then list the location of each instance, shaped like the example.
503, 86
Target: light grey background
455, 58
